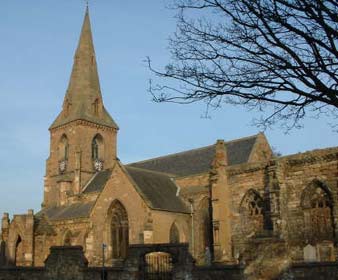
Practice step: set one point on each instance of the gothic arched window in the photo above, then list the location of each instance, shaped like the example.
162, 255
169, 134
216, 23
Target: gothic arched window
119, 230
317, 207
174, 235
97, 152
97, 147
252, 211
63, 148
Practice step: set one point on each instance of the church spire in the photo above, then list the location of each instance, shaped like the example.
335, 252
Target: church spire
83, 99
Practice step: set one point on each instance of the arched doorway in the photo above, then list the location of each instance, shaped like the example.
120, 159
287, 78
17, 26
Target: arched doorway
119, 230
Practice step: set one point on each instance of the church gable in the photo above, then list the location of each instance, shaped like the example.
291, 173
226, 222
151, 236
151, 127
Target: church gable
159, 190
261, 150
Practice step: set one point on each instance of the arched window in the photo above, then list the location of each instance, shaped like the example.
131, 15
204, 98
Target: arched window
119, 230
63, 153
97, 147
174, 236
317, 207
97, 152
252, 211
63, 148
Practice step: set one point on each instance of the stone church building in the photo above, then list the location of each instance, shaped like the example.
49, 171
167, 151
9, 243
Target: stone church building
233, 199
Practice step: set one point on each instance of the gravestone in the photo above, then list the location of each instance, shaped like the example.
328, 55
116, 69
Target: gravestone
310, 254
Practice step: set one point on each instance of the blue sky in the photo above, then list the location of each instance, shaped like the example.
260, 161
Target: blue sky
38, 40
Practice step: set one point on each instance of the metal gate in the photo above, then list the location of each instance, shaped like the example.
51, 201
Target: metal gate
158, 266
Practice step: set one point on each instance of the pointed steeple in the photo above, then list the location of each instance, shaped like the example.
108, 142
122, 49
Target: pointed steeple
83, 100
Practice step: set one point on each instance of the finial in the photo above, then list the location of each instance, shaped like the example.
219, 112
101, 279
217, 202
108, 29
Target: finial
87, 4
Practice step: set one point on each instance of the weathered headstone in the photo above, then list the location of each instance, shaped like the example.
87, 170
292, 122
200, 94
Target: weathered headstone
310, 254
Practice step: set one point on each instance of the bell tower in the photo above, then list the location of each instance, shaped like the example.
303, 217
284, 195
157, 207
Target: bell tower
83, 136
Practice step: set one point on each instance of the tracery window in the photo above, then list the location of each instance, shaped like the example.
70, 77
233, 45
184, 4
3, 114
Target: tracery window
119, 230
317, 207
252, 211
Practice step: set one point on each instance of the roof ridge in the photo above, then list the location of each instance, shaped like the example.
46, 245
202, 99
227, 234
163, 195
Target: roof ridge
241, 139
191, 150
150, 171
169, 155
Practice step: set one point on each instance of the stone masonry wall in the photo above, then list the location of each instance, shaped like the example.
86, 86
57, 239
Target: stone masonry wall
69, 263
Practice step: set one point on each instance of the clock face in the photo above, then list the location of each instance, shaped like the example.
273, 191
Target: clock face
98, 165
62, 166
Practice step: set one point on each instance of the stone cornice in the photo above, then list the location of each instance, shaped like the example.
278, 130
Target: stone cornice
85, 123
316, 156
246, 168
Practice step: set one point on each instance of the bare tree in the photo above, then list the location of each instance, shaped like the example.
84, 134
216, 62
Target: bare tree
255, 53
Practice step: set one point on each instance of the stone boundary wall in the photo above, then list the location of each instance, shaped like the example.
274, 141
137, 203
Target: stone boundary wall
214, 272
69, 263
311, 270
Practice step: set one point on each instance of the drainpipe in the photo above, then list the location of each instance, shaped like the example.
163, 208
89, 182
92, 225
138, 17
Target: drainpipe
192, 227
211, 225
103, 277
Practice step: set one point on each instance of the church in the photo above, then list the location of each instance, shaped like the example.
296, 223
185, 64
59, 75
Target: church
233, 201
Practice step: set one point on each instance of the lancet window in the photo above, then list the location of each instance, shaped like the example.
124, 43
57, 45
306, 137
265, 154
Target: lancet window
97, 152
63, 148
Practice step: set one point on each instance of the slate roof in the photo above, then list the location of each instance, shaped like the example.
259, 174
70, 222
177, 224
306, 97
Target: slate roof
42, 226
99, 180
152, 178
73, 211
198, 160
158, 189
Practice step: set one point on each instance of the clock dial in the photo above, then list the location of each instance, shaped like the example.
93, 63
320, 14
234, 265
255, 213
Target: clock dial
62, 166
98, 165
